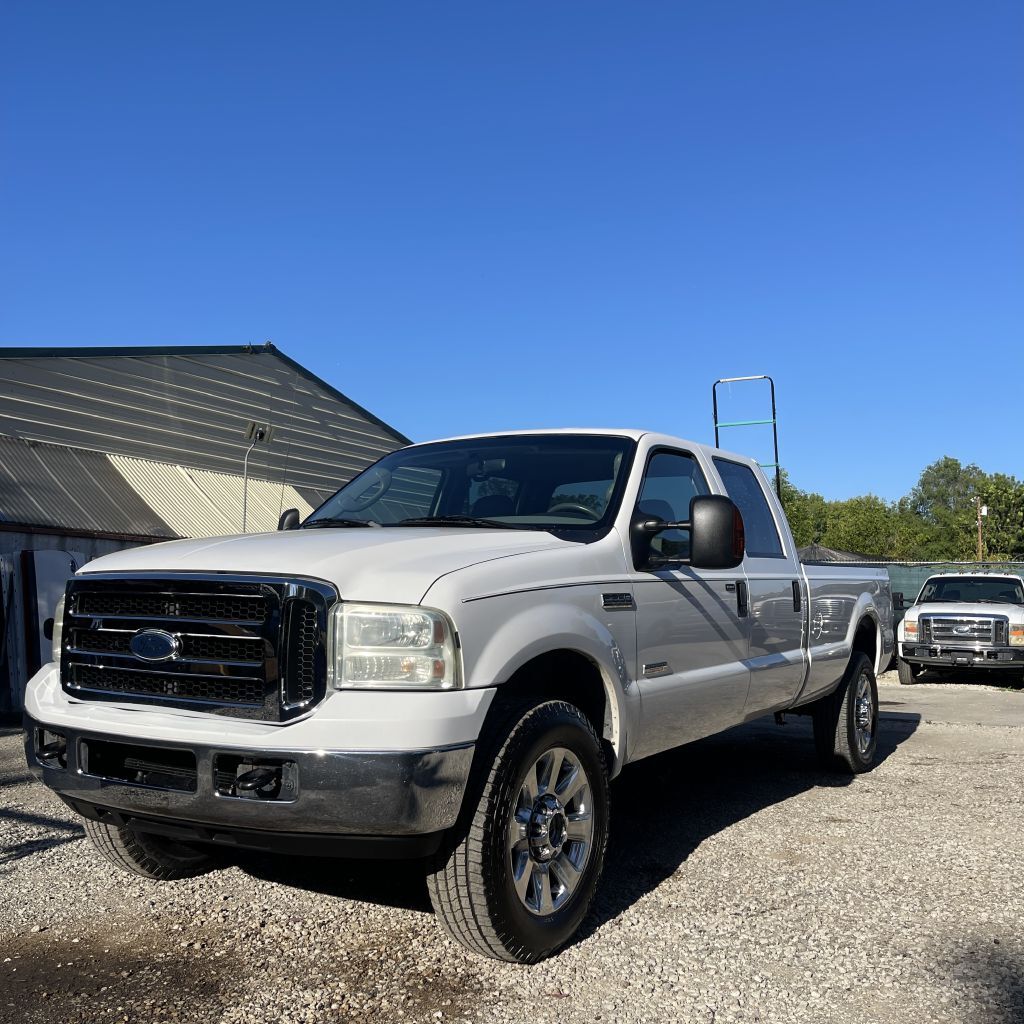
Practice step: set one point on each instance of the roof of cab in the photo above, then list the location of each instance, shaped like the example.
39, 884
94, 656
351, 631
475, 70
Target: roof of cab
635, 434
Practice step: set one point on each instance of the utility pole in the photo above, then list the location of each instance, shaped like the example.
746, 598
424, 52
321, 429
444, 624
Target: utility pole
982, 511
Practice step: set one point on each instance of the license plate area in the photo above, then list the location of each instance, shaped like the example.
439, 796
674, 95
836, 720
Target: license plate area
135, 765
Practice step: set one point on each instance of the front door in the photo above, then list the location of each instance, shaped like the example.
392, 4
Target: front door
692, 628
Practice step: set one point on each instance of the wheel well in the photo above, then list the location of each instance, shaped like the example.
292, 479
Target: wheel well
865, 640
570, 676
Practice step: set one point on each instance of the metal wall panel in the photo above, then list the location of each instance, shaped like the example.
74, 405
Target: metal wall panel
191, 407
266, 500
50, 485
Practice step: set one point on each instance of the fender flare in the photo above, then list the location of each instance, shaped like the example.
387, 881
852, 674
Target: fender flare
540, 630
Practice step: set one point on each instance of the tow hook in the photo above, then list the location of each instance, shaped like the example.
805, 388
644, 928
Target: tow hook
258, 780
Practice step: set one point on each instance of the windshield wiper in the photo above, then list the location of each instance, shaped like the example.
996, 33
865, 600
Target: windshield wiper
455, 520
338, 522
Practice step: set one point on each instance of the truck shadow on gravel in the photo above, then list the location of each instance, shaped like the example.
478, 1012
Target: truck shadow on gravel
997, 980
1000, 679
677, 800
674, 801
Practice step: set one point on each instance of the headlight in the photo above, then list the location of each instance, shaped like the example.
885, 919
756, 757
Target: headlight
1017, 636
392, 647
909, 629
58, 629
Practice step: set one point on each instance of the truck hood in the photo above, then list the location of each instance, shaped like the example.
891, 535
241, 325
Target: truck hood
392, 564
956, 609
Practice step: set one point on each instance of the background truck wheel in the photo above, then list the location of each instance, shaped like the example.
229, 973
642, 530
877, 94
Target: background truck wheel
521, 869
150, 856
846, 722
908, 673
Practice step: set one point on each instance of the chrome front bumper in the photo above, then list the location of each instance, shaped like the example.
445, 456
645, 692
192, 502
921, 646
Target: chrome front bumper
933, 656
353, 795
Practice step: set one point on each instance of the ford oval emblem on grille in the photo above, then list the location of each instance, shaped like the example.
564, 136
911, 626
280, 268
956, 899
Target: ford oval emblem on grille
155, 645
962, 630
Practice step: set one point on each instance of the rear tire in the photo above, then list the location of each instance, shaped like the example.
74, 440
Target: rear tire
908, 673
141, 853
846, 722
520, 871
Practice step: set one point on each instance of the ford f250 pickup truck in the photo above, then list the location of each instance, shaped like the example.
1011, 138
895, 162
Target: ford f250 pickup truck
961, 620
449, 660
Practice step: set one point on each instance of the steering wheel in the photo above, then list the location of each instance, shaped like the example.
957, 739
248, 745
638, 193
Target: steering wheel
572, 506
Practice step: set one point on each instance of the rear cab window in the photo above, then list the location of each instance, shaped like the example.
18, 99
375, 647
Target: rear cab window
743, 486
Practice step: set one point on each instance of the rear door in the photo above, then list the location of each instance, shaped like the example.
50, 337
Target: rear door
777, 613
692, 626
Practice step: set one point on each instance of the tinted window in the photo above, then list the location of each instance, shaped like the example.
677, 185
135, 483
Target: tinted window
569, 482
744, 488
670, 482
991, 590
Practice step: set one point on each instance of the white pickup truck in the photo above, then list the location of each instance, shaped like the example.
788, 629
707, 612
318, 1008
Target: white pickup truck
963, 620
449, 660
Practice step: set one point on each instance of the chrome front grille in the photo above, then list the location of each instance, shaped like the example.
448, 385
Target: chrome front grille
948, 630
247, 647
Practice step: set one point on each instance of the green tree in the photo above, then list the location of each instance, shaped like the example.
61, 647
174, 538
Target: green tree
866, 524
1003, 527
944, 498
806, 512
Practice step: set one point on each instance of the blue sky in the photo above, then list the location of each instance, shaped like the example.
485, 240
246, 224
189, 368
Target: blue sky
477, 216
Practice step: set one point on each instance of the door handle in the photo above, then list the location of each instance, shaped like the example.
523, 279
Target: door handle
742, 604
796, 595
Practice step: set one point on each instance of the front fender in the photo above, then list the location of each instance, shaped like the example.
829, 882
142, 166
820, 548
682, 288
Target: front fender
501, 635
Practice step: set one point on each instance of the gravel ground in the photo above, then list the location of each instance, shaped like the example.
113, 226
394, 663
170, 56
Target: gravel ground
741, 885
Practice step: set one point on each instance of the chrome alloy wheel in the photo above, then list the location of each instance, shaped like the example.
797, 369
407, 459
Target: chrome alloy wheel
864, 714
551, 831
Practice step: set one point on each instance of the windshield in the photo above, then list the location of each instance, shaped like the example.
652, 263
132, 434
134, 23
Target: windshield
560, 482
976, 589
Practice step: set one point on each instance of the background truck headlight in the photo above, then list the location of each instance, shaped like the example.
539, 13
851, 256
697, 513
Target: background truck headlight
393, 647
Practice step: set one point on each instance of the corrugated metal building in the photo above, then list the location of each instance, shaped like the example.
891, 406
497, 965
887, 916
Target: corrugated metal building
103, 448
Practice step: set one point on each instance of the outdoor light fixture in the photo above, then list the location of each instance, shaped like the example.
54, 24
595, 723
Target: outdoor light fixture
255, 433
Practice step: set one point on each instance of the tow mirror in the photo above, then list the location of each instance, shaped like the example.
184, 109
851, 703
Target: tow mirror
717, 540
716, 536
289, 519
897, 600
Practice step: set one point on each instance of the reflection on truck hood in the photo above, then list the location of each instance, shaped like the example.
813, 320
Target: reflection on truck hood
393, 563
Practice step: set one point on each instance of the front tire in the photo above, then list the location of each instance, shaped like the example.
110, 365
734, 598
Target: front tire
908, 673
521, 870
846, 722
153, 857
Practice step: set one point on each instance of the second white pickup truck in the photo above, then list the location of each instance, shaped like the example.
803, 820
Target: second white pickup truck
449, 660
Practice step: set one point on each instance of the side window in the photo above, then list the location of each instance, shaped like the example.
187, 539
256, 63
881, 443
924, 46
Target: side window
670, 482
743, 487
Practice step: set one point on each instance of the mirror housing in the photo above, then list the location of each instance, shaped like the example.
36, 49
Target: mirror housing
897, 600
717, 540
289, 519
716, 536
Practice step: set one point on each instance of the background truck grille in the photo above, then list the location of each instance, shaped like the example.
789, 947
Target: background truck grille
953, 630
248, 647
